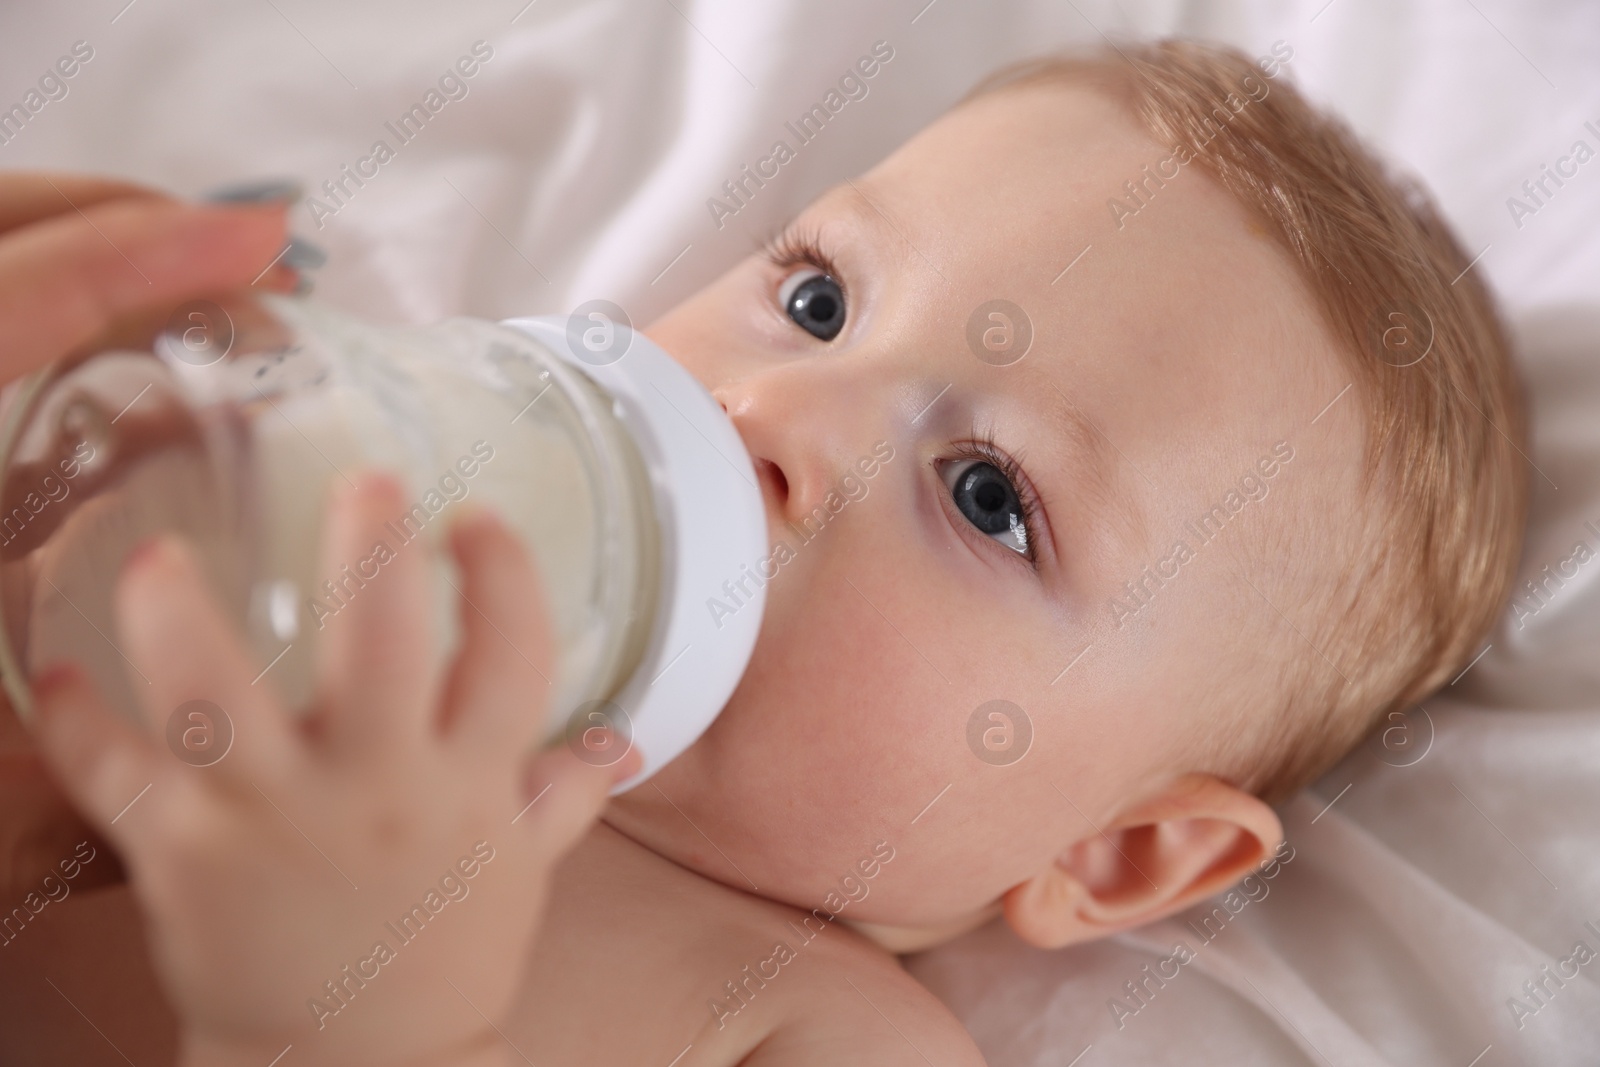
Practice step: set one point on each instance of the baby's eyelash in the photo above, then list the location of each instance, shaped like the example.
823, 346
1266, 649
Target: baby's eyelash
982, 448
798, 245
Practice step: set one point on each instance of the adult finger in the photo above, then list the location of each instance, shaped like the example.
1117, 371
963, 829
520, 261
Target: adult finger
377, 669
499, 686
181, 641
63, 280
28, 196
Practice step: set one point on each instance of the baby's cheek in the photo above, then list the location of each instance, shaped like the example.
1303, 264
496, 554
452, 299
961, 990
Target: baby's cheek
878, 648
831, 698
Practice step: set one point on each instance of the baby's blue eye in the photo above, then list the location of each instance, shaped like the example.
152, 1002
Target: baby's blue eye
987, 499
814, 301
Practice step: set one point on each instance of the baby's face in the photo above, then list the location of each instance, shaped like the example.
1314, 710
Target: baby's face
982, 558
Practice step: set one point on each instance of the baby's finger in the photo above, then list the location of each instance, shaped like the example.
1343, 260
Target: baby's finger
499, 686
378, 670
184, 644
565, 797
103, 762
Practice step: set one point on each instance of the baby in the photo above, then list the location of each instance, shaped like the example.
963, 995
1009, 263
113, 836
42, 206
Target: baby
1179, 444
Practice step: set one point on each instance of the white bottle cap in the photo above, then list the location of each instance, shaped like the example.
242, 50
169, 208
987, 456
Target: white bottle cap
712, 519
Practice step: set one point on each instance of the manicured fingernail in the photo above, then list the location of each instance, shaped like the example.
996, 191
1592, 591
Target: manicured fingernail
260, 191
301, 254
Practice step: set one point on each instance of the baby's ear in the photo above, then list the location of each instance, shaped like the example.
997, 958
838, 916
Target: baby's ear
1195, 838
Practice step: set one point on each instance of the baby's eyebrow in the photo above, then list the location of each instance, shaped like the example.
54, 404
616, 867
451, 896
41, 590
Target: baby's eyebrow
845, 203
869, 211
1101, 472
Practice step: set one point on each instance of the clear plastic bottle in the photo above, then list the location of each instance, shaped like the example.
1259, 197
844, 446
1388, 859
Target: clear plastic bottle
229, 421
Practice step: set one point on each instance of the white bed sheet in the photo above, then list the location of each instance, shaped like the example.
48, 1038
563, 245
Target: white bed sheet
1453, 864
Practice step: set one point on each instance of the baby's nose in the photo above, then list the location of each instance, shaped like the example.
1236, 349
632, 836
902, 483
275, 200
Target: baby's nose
774, 483
803, 423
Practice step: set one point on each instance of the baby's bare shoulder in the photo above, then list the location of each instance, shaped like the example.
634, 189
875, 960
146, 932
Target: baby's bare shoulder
856, 1005
644, 961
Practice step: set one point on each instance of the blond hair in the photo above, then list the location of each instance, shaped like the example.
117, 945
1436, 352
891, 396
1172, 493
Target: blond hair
1432, 368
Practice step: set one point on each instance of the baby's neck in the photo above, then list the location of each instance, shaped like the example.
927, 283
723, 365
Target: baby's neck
895, 939
903, 939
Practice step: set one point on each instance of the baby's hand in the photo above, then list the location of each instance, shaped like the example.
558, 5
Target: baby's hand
361, 885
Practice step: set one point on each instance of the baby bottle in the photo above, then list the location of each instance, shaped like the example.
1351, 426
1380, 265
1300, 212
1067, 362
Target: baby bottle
229, 422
